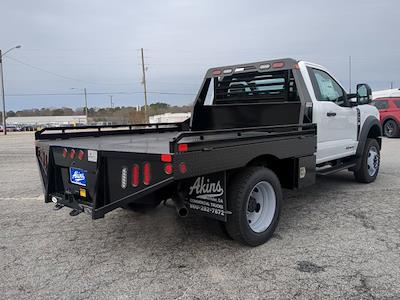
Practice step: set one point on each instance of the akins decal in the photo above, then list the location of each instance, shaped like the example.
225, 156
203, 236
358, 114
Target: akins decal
206, 195
203, 188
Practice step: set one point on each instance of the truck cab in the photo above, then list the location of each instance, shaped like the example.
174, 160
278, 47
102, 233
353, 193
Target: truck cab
338, 119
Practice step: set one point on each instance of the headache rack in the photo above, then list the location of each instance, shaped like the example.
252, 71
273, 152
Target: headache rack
267, 93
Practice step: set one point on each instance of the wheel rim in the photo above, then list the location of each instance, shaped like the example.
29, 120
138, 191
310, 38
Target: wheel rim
373, 161
389, 128
261, 206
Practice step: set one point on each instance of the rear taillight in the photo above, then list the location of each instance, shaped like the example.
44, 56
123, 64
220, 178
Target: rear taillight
72, 153
278, 64
216, 72
81, 154
65, 153
166, 157
182, 168
135, 175
146, 173
168, 169
183, 147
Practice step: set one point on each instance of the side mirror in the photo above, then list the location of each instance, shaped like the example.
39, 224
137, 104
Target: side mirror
364, 93
353, 101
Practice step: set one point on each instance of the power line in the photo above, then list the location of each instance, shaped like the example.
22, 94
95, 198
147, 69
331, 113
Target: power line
97, 93
60, 75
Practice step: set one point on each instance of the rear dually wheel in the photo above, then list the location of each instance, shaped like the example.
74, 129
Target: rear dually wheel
254, 198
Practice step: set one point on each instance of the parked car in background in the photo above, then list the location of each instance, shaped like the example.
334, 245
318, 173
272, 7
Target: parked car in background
9, 128
12, 128
391, 93
27, 128
389, 111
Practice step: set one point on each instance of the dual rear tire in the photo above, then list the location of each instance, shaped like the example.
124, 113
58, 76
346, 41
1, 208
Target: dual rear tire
254, 198
255, 195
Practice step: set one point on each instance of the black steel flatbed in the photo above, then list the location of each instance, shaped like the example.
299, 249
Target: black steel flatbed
217, 141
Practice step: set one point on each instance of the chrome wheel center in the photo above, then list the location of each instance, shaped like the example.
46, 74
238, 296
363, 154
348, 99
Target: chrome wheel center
261, 206
372, 161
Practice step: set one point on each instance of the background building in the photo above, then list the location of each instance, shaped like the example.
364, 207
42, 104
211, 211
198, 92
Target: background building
169, 117
47, 121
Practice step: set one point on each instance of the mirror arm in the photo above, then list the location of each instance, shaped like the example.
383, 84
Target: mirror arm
352, 95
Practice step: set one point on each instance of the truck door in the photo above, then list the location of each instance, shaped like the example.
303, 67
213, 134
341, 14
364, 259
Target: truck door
336, 123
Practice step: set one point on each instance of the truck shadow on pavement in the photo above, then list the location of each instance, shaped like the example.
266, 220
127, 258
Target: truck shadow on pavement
162, 225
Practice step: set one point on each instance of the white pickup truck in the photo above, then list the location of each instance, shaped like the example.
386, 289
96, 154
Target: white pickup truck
255, 128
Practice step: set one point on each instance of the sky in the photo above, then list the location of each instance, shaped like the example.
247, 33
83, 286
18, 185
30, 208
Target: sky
68, 45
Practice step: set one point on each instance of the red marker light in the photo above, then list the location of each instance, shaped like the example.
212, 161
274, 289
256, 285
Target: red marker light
166, 157
72, 153
182, 168
168, 169
135, 175
183, 147
146, 173
65, 153
216, 72
81, 154
278, 64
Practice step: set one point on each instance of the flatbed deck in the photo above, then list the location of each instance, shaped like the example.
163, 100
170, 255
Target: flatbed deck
160, 142
139, 143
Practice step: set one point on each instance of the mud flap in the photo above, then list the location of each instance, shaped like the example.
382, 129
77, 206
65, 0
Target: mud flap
206, 195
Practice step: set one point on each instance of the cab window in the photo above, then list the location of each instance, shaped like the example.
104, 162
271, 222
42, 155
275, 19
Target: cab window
326, 88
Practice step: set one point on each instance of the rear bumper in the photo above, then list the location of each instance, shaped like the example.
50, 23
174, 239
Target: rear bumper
69, 200
73, 202
105, 188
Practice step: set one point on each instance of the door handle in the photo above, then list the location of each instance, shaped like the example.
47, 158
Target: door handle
331, 114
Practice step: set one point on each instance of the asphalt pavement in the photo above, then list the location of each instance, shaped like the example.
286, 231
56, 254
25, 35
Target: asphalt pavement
336, 240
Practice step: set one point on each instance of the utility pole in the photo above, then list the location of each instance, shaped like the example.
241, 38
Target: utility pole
146, 118
350, 74
111, 102
391, 85
3, 96
4, 117
86, 106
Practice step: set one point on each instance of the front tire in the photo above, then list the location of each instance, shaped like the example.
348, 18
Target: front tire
391, 129
254, 198
369, 162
